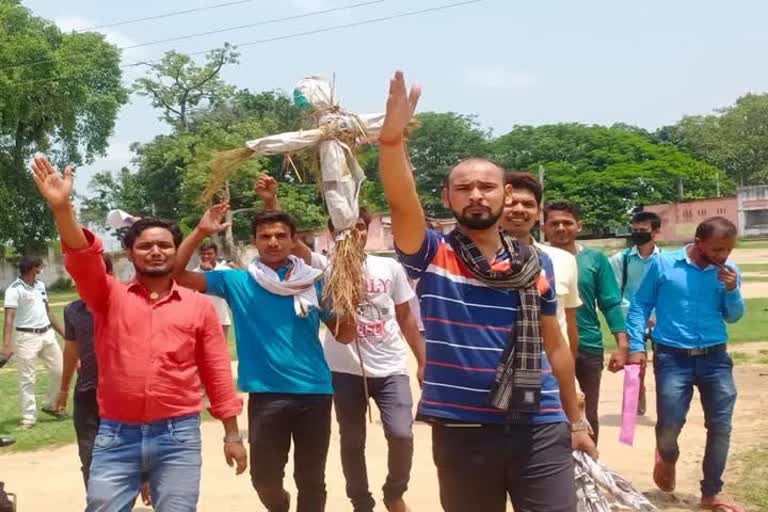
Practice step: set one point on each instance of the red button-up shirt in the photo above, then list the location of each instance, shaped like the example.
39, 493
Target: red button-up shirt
152, 355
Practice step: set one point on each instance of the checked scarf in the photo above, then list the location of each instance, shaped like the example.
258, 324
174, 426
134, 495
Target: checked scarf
518, 376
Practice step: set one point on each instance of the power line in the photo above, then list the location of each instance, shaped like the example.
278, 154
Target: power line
289, 36
331, 28
166, 15
251, 25
218, 31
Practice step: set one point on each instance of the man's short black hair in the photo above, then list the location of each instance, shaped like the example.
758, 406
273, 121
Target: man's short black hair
716, 227
650, 217
471, 160
209, 246
271, 217
29, 263
525, 181
142, 225
562, 206
364, 215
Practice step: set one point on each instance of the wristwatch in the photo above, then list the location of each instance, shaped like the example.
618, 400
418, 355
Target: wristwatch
580, 426
237, 438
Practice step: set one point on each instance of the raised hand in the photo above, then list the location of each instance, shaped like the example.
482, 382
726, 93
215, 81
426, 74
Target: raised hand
212, 220
266, 189
56, 188
401, 106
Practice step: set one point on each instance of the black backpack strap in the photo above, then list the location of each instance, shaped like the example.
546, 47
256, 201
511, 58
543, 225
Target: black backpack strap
624, 268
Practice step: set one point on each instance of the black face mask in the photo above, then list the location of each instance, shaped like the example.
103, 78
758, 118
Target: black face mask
641, 237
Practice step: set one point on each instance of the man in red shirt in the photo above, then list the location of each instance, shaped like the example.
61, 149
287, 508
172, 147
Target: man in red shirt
155, 343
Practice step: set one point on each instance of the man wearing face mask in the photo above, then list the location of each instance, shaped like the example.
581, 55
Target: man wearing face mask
629, 266
694, 292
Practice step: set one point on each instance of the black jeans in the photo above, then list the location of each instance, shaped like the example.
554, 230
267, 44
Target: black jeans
86, 419
477, 467
393, 398
274, 419
589, 373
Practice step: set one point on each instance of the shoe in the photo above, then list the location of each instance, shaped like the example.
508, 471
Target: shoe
59, 415
6, 441
24, 426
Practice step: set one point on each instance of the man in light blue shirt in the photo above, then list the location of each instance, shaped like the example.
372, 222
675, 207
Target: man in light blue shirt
629, 266
693, 291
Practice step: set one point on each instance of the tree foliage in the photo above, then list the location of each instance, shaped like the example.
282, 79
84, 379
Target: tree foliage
607, 172
60, 94
734, 139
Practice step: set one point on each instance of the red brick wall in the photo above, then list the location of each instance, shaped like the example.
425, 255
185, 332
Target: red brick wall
679, 220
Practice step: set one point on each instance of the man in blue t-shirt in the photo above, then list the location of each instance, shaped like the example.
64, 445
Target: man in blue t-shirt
275, 304
499, 385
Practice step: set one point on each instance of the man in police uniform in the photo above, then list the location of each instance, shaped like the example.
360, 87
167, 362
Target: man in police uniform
30, 325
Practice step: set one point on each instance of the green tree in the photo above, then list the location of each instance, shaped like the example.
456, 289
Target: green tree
60, 94
177, 85
441, 141
606, 171
734, 139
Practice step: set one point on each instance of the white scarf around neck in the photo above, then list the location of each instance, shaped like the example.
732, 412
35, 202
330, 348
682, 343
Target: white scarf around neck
299, 283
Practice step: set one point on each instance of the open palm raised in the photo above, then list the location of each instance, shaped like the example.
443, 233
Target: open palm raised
213, 220
55, 187
401, 106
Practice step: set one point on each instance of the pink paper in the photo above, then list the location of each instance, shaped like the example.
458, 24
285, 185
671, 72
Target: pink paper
629, 406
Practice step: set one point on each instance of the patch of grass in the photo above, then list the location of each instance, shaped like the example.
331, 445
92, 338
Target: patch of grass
751, 480
48, 433
754, 267
752, 244
754, 279
748, 358
752, 327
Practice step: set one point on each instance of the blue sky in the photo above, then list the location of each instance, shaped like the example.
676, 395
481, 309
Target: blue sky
509, 62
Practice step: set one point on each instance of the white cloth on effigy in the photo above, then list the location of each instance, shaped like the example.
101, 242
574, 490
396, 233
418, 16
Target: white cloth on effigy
594, 480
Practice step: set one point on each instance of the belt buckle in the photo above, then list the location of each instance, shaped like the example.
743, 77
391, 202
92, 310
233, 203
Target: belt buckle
697, 352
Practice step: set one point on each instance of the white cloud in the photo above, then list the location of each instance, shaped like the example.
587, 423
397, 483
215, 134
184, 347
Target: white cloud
119, 39
498, 77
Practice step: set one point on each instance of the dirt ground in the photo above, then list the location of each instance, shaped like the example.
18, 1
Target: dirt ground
50, 479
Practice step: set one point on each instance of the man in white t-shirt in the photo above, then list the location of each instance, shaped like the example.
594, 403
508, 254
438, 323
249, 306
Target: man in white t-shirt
376, 364
521, 213
30, 326
209, 260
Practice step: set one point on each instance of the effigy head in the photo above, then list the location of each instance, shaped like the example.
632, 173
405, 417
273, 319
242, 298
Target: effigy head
314, 93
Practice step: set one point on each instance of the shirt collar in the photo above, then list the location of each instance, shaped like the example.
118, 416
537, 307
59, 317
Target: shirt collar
634, 252
26, 284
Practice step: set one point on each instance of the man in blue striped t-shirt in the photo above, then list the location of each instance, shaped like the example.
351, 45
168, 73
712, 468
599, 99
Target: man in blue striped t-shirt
475, 309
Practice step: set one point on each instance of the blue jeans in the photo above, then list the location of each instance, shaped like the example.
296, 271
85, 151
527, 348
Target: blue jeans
167, 452
676, 374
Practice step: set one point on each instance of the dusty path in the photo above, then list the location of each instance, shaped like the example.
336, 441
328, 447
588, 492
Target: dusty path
50, 480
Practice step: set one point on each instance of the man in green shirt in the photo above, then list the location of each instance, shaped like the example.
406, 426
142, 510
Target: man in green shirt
598, 289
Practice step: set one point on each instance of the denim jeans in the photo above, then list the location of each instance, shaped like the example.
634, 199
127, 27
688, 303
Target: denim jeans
167, 452
393, 398
676, 375
274, 419
478, 467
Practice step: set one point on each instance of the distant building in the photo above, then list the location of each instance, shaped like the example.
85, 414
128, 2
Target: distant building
679, 220
379, 235
753, 211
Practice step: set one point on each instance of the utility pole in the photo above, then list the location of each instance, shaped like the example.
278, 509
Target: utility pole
541, 209
680, 190
717, 183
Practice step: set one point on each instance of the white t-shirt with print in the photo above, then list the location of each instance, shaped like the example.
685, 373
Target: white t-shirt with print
384, 352
29, 303
222, 309
566, 283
